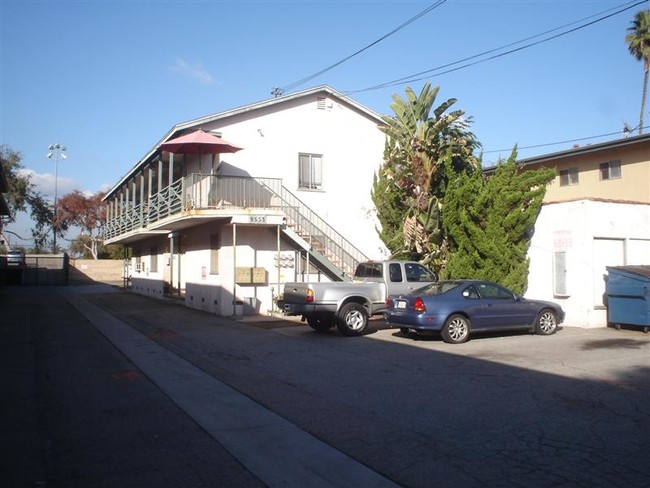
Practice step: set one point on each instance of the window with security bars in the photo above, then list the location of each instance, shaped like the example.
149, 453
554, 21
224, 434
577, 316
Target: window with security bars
610, 170
310, 171
569, 177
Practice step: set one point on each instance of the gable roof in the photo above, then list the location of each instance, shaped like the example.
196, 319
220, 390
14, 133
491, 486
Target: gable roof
324, 89
271, 102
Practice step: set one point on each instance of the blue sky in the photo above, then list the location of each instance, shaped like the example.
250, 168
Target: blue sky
109, 78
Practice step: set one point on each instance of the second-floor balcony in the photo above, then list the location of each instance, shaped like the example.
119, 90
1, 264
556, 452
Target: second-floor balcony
200, 196
189, 195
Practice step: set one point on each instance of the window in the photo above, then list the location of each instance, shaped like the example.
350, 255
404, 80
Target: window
215, 245
368, 270
610, 170
569, 177
153, 263
494, 292
559, 274
471, 293
418, 273
310, 171
395, 272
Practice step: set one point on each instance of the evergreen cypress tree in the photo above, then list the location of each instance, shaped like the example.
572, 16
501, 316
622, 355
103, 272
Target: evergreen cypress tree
489, 222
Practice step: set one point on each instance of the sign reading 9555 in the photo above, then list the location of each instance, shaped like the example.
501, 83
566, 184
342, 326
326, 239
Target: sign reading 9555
257, 219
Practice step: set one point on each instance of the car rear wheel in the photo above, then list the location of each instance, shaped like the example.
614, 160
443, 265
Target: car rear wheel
546, 323
352, 319
320, 322
456, 329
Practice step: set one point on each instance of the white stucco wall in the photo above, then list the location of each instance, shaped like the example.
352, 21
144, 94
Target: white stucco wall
257, 247
351, 145
592, 235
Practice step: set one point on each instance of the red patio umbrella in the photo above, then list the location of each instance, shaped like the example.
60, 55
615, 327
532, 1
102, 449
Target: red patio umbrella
199, 142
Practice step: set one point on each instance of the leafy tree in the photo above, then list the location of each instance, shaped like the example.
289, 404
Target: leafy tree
86, 212
81, 247
409, 188
116, 251
23, 197
489, 222
638, 43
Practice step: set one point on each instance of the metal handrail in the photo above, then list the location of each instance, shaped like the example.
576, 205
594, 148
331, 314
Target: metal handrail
198, 191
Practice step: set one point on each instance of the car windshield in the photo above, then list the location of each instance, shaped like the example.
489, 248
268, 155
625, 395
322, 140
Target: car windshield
438, 288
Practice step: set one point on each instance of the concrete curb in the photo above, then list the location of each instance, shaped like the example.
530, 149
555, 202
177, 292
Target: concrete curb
272, 448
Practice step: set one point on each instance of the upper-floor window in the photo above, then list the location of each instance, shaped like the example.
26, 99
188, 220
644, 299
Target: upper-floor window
569, 177
310, 171
610, 170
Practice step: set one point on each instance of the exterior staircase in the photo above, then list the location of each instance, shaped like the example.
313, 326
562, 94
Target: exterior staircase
319, 243
322, 244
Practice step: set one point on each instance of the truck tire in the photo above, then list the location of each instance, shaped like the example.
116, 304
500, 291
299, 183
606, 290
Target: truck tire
352, 319
320, 321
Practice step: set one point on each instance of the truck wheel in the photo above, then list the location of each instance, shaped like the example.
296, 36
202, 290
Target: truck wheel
352, 319
320, 322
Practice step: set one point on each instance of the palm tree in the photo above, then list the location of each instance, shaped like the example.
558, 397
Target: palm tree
638, 42
409, 189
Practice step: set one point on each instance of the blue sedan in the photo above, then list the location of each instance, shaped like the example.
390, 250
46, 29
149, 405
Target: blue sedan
458, 308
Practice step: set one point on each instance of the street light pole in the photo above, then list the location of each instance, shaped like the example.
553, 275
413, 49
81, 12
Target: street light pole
56, 151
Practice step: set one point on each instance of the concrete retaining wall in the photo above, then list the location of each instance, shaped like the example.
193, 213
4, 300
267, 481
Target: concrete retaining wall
102, 270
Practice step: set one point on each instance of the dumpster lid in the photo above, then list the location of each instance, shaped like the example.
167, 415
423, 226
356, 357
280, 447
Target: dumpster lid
641, 270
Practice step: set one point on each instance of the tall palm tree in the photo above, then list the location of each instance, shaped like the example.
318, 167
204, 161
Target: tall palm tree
638, 42
409, 190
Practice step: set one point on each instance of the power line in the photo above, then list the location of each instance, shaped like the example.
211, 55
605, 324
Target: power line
278, 91
418, 76
561, 142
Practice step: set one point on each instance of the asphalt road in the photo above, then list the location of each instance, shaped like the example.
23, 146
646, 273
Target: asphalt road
106, 388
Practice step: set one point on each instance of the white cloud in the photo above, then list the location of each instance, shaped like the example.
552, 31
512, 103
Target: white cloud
195, 71
44, 183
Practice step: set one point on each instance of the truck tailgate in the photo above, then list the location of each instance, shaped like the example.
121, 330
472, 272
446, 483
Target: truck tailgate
295, 292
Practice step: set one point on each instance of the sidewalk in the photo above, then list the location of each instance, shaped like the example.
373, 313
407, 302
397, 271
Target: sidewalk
273, 449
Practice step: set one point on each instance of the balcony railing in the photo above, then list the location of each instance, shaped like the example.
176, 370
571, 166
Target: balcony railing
204, 192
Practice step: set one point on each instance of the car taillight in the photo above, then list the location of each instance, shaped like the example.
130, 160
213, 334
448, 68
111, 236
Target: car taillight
389, 302
310, 295
418, 305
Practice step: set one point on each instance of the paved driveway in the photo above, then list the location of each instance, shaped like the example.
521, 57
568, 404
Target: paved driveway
512, 410
571, 409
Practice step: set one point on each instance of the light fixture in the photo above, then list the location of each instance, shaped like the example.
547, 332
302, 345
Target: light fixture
57, 152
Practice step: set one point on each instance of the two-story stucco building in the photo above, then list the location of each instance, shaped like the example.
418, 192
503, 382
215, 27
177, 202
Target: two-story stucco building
225, 231
596, 213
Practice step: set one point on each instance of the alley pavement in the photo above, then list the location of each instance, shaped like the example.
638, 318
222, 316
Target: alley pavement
102, 387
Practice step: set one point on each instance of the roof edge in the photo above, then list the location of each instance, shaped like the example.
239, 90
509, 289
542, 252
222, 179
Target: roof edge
240, 110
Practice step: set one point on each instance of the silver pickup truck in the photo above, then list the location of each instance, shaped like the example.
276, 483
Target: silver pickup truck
348, 305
